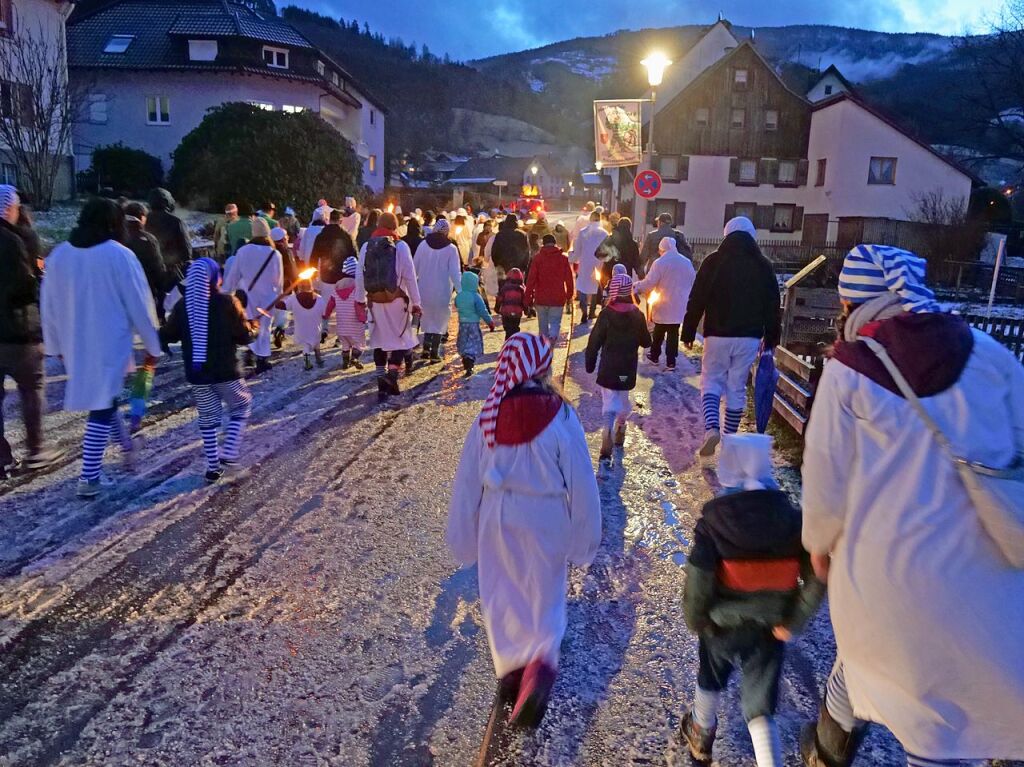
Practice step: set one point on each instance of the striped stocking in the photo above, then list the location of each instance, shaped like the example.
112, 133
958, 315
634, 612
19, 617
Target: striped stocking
837, 700
765, 736
239, 401
119, 431
705, 707
712, 406
94, 443
732, 420
209, 407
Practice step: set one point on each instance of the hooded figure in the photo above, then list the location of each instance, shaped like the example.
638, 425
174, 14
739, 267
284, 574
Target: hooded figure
737, 296
928, 616
210, 324
349, 317
619, 333
511, 302
350, 218
438, 274
472, 311
257, 271
524, 501
509, 248
413, 235
171, 234
667, 287
587, 253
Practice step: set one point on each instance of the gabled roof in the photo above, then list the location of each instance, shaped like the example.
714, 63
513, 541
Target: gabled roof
878, 114
157, 28
834, 70
484, 169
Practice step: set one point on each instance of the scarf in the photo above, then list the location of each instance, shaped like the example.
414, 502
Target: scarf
872, 270
199, 287
523, 358
877, 309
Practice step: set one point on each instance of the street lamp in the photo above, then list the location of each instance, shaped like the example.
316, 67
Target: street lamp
656, 64
533, 170
599, 165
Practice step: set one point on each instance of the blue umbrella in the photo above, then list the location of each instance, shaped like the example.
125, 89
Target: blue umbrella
765, 380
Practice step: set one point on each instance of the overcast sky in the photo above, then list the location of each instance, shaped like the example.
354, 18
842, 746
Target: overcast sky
475, 29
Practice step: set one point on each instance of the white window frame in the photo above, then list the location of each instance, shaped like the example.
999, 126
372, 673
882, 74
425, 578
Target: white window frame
704, 112
123, 44
274, 53
264, 105
162, 110
666, 160
292, 109
321, 68
741, 77
98, 108
878, 179
792, 165
746, 164
776, 209
202, 50
732, 119
828, 90
336, 79
771, 120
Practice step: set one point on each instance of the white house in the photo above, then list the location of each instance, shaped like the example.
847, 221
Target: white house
154, 68
737, 141
830, 83
32, 23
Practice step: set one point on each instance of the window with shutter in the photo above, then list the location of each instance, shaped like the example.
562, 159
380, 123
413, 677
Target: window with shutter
787, 173
822, 169
763, 217
768, 171
748, 172
684, 168
802, 172
734, 170
783, 217
771, 120
747, 209
158, 110
740, 79
668, 167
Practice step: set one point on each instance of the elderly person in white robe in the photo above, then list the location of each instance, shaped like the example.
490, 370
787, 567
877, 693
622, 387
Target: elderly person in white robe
257, 271
438, 275
586, 256
928, 614
392, 333
524, 506
95, 299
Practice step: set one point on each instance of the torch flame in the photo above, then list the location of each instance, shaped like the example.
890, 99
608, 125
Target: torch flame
654, 297
458, 230
307, 274
391, 207
597, 274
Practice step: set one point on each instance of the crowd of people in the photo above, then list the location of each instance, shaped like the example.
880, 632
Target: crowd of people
925, 603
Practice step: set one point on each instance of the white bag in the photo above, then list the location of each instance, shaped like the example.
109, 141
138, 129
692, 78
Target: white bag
996, 494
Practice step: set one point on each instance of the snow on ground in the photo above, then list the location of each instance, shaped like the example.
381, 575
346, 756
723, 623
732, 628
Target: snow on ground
583, 64
55, 225
306, 611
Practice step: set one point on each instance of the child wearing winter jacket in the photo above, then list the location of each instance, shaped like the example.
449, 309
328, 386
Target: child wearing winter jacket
618, 335
511, 302
349, 317
309, 309
210, 326
749, 588
524, 506
472, 311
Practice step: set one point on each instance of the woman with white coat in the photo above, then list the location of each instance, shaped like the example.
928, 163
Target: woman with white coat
928, 615
524, 505
258, 271
587, 256
438, 274
667, 287
95, 300
392, 334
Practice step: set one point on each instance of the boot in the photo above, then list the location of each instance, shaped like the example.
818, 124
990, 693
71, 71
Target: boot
346, 359
711, 439
534, 692
699, 740
435, 346
508, 687
467, 364
248, 359
355, 359
391, 382
620, 434
428, 342
382, 388
606, 445
263, 365
318, 357
278, 338
306, 362
410, 364
827, 744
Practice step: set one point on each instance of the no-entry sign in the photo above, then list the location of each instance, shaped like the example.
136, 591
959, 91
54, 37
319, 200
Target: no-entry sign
647, 184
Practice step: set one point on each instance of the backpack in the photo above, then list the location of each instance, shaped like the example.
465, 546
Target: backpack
380, 271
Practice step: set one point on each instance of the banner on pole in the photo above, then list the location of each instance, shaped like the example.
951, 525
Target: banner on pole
617, 139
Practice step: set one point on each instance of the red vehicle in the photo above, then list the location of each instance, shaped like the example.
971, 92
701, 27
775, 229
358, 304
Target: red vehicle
529, 205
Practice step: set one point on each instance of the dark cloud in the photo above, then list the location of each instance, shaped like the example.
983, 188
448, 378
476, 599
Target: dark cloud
482, 29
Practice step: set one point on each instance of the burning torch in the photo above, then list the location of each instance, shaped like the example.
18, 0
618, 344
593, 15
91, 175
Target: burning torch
305, 274
652, 299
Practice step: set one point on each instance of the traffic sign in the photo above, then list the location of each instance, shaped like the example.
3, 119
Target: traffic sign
500, 183
647, 184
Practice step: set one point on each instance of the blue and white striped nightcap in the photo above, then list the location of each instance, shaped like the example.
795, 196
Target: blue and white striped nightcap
871, 270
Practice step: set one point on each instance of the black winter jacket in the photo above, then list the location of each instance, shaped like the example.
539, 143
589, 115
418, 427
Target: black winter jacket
19, 290
617, 337
620, 248
330, 249
147, 250
511, 249
736, 293
227, 329
747, 565
171, 235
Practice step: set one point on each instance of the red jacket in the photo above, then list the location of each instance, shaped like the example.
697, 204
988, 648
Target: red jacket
550, 279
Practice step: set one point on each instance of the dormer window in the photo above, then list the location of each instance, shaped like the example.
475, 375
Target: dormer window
335, 79
275, 57
118, 43
202, 50
321, 68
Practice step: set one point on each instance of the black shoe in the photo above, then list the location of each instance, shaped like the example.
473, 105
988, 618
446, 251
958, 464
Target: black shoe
278, 338
346, 360
391, 382
356, 363
467, 365
319, 358
307, 364
212, 477
248, 359
670, 365
323, 336
699, 740
382, 388
263, 365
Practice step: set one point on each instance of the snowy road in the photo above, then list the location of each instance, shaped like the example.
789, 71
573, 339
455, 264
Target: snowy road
307, 613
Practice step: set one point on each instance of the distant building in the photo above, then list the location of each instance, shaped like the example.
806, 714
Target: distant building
830, 83
534, 176
154, 67
735, 140
38, 21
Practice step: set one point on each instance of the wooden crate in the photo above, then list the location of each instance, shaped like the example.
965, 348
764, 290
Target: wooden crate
798, 378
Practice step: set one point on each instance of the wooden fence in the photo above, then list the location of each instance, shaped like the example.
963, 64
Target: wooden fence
1009, 331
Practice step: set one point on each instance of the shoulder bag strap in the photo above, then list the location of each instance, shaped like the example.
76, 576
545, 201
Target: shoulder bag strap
262, 268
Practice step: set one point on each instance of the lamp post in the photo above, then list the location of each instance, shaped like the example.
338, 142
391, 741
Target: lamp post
656, 63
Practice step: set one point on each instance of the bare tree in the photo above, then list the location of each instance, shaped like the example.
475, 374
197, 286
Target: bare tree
992, 86
947, 232
38, 107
